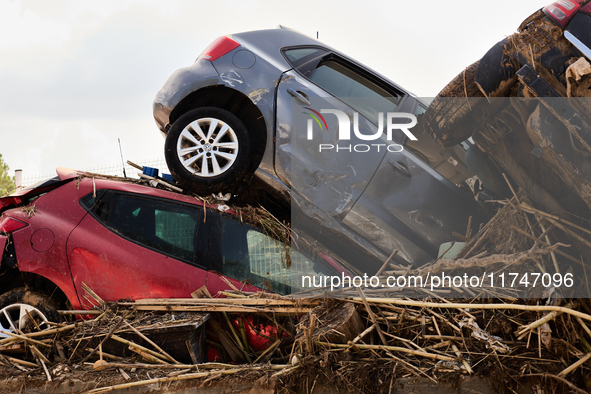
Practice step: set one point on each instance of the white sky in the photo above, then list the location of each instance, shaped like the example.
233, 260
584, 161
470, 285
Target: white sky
76, 75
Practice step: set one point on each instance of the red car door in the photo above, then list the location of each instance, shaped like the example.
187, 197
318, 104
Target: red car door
134, 246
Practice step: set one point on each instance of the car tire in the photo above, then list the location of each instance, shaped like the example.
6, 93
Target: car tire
216, 165
446, 118
15, 302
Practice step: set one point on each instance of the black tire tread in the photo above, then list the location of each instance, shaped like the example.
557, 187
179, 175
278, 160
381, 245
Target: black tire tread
443, 117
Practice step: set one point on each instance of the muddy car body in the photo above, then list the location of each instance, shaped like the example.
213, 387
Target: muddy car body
238, 115
125, 240
529, 107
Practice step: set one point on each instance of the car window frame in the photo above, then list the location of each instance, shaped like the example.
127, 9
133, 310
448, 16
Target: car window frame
305, 69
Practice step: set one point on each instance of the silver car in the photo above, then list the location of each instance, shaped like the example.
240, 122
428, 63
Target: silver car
258, 107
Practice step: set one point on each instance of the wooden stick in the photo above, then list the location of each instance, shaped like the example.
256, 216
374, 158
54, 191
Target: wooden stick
113, 329
39, 355
309, 333
454, 305
364, 333
145, 338
270, 349
195, 375
560, 379
175, 373
547, 238
33, 320
372, 317
147, 366
229, 283
87, 289
106, 355
138, 347
228, 308
527, 208
25, 338
569, 232
469, 228
356, 348
21, 362
164, 183
60, 350
575, 365
464, 362
147, 356
224, 301
80, 312
237, 338
582, 323
392, 348
543, 243
386, 263
191, 352
459, 236
50, 331
46, 370
125, 375
550, 316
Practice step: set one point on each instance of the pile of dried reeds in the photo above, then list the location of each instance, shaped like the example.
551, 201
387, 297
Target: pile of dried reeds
360, 339
355, 343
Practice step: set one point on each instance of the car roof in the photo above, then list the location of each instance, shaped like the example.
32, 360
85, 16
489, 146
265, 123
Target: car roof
268, 43
132, 186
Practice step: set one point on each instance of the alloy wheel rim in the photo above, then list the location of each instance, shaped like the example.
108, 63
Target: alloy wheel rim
17, 317
207, 147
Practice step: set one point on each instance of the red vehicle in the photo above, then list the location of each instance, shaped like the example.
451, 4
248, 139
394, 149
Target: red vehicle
126, 240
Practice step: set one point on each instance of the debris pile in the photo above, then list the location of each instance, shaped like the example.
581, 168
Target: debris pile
356, 339
360, 344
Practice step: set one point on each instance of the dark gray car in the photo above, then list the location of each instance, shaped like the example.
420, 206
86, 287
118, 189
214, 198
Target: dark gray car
261, 104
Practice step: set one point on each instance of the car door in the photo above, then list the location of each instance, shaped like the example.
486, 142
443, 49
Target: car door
411, 207
328, 164
394, 199
134, 246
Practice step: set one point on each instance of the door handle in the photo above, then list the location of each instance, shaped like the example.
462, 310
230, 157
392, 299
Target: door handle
299, 96
400, 167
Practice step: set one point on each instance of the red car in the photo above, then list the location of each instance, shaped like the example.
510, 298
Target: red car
126, 240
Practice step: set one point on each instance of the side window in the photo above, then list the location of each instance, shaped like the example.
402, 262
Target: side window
419, 110
248, 254
95, 203
357, 90
300, 55
171, 228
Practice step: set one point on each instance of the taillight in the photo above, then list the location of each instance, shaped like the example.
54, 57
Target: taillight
562, 11
9, 224
218, 48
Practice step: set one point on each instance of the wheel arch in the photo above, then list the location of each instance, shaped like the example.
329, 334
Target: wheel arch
12, 279
239, 105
